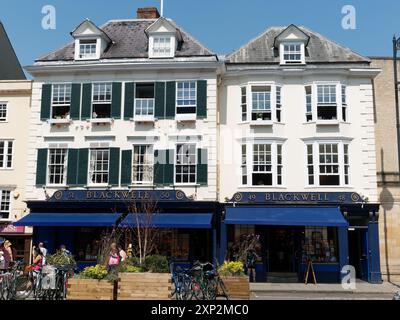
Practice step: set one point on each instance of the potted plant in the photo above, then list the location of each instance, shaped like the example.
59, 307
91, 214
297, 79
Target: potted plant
149, 280
92, 284
235, 280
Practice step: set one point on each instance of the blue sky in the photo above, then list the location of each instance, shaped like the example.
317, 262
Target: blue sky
222, 25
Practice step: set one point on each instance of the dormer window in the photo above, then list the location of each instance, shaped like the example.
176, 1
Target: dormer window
88, 49
162, 47
293, 53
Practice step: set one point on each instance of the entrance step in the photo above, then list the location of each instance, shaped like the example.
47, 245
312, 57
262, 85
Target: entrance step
282, 277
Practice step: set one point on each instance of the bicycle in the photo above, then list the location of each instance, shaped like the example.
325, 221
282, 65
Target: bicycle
181, 284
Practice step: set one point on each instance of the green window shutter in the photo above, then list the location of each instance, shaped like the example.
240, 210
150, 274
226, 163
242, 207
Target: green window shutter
72, 167
75, 101
45, 112
83, 164
159, 160
114, 167
116, 100
159, 111
126, 168
41, 167
170, 100
129, 100
202, 99
86, 101
202, 167
169, 168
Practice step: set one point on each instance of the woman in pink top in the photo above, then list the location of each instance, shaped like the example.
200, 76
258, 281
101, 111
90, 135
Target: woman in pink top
114, 259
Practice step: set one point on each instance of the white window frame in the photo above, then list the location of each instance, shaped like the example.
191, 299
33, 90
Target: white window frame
65, 103
283, 53
9, 202
150, 164
7, 154
78, 45
315, 104
99, 102
176, 164
4, 105
248, 167
64, 183
316, 163
162, 51
90, 172
249, 100
148, 101
177, 106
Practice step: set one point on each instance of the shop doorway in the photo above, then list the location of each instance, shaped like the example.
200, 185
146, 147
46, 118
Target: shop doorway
358, 252
283, 249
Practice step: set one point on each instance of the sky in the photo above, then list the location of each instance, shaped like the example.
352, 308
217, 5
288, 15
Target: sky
221, 25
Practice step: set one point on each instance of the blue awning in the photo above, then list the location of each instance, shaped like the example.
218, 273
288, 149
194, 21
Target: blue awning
69, 220
286, 216
172, 220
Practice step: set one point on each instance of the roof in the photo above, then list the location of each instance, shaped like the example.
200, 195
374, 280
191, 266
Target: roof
129, 42
10, 68
319, 49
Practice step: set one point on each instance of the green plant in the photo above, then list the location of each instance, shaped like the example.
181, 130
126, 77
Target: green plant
156, 264
60, 259
231, 269
98, 272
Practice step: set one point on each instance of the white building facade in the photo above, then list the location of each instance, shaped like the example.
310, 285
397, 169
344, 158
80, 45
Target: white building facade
296, 135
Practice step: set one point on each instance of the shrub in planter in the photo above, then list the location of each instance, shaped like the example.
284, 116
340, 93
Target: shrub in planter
156, 264
232, 269
235, 280
98, 272
60, 259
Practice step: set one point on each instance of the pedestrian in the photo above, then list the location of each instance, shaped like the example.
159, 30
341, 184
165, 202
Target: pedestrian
43, 250
2, 261
64, 251
251, 260
114, 258
5, 254
122, 254
7, 246
36, 267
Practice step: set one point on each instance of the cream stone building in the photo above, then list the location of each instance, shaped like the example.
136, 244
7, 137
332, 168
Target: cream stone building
15, 102
388, 168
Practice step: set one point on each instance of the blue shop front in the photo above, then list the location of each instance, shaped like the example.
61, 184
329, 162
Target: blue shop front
186, 229
287, 230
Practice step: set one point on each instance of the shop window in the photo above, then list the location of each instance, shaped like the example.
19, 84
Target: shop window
61, 101
261, 103
144, 99
87, 244
320, 245
101, 100
174, 244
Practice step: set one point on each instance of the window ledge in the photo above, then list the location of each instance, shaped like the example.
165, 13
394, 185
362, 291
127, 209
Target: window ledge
263, 187
329, 187
143, 119
187, 185
261, 123
186, 117
328, 122
102, 121
59, 121
145, 185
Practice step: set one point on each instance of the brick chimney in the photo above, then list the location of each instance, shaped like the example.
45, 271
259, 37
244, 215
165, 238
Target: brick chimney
148, 13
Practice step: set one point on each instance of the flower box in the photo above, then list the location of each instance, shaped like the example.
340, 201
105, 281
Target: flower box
238, 287
144, 286
89, 289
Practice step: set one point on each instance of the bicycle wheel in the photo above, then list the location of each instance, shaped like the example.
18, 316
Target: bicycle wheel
196, 291
224, 291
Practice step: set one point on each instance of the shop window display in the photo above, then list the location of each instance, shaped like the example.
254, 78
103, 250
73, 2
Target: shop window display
320, 245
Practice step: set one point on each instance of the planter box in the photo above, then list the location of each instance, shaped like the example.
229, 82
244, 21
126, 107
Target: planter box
144, 286
238, 287
88, 289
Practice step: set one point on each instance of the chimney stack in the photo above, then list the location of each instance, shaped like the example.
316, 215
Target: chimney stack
148, 13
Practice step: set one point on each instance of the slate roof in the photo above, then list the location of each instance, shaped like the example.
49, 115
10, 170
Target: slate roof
129, 42
319, 50
10, 68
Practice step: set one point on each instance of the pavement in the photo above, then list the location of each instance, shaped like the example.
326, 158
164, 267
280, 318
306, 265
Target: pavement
299, 291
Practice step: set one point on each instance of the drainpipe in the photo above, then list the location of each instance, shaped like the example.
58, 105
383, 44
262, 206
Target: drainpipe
396, 47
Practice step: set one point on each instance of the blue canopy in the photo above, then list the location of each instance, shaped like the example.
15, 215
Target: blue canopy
286, 216
69, 220
172, 220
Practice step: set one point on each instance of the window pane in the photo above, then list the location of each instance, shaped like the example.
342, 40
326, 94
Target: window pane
186, 97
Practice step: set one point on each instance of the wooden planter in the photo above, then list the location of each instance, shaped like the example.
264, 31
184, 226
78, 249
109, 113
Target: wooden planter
238, 287
88, 289
144, 286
